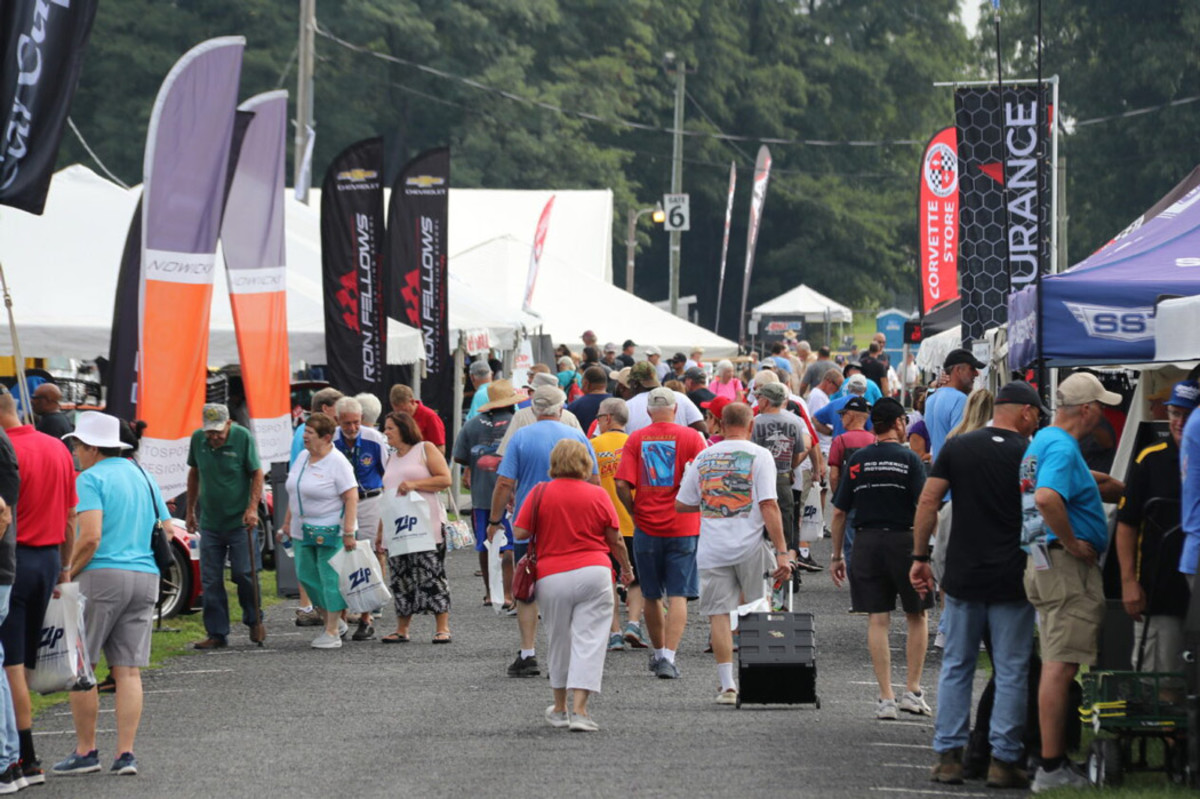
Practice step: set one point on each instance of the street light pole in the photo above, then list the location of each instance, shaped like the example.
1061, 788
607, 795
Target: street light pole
304, 97
676, 179
631, 239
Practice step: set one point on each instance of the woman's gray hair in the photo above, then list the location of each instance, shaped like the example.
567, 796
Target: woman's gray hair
724, 365
371, 408
347, 405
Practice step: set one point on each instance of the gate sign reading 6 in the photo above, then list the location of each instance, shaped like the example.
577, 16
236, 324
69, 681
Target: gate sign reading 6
678, 215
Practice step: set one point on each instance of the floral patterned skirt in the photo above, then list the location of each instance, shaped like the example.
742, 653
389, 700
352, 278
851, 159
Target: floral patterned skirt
419, 582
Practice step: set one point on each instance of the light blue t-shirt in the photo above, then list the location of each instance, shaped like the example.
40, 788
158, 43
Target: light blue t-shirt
873, 394
1189, 450
943, 411
1053, 461
297, 445
478, 401
123, 493
829, 415
527, 458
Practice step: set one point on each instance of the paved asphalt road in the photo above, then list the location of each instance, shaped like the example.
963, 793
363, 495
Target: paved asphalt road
422, 720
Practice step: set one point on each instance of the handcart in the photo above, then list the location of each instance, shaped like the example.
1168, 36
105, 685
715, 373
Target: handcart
1134, 708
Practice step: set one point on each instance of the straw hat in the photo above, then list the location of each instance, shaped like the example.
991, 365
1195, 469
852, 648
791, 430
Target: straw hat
501, 394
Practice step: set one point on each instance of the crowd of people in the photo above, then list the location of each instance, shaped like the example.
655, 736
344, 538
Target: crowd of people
616, 491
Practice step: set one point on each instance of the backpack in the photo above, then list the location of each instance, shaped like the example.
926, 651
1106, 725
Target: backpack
574, 392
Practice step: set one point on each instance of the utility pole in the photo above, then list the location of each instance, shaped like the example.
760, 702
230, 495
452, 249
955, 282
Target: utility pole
676, 175
304, 97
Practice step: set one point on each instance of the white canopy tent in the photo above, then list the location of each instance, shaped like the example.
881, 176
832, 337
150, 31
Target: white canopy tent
62, 272
567, 301
806, 302
1176, 334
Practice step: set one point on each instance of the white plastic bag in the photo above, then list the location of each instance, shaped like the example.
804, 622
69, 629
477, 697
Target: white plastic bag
812, 519
62, 659
406, 525
360, 578
496, 571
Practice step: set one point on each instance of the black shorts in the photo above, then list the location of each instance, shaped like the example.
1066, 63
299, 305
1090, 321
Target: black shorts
37, 574
882, 559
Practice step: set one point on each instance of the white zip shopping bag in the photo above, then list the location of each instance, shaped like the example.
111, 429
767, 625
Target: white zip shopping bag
360, 578
406, 525
62, 659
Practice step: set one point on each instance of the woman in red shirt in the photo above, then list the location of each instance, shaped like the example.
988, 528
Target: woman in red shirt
572, 527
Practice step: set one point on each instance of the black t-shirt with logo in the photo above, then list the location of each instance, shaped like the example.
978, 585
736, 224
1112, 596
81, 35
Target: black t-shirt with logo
881, 483
700, 395
1154, 474
874, 371
984, 560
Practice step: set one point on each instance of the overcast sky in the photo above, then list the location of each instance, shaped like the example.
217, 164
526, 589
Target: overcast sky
970, 14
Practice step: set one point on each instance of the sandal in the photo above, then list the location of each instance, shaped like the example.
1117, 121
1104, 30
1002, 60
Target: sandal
442, 638
394, 638
487, 602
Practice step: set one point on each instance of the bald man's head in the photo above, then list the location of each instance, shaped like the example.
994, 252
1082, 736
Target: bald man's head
8, 411
46, 398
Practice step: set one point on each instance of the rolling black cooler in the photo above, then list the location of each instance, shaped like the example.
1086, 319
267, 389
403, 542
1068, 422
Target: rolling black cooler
777, 659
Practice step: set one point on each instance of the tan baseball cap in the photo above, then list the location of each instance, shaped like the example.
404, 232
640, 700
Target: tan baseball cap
1082, 388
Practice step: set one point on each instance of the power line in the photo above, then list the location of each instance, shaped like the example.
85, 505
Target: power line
615, 121
1137, 111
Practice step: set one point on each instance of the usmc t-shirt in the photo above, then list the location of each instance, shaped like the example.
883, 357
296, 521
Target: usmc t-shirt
882, 483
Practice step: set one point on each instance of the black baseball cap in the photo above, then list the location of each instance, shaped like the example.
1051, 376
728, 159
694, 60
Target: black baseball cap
851, 365
961, 356
695, 373
628, 343
1018, 392
678, 357
859, 404
885, 413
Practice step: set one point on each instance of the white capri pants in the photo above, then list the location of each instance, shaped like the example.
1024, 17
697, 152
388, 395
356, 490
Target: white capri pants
577, 608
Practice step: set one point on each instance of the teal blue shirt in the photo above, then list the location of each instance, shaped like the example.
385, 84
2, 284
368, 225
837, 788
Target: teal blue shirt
1053, 461
480, 399
130, 503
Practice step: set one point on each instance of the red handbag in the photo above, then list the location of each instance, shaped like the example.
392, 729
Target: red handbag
525, 576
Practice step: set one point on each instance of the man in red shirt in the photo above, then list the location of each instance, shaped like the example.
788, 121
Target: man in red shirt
430, 424
664, 541
45, 536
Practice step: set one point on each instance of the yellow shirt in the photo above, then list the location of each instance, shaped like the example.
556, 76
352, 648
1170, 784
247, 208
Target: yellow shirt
608, 447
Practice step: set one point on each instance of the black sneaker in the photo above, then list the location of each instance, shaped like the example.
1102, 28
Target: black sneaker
32, 772
524, 667
125, 765
807, 562
364, 632
11, 780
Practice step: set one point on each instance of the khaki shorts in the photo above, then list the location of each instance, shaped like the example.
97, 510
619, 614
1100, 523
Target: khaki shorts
722, 588
1164, 644
119, 615
1069, 599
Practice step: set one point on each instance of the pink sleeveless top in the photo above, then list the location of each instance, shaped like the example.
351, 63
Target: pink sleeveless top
411, 466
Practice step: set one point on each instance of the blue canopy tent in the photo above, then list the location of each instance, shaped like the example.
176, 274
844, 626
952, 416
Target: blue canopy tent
1102, 309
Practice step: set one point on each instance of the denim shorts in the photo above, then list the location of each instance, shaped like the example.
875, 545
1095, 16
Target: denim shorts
666, 566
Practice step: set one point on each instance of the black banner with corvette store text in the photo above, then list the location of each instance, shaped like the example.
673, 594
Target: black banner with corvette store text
352, 268
418, 270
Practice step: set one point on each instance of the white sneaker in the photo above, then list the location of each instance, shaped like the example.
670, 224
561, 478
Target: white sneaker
326, 641
886, 711
939, 640
727, 697
583, 724
1067, 775
915, 703
558, 719
343, 628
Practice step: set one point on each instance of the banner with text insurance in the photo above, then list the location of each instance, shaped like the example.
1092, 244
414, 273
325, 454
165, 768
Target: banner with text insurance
1005, 215
352, 269
183, 192
762, 174
252, 240
937, 221
418, 269
42, 43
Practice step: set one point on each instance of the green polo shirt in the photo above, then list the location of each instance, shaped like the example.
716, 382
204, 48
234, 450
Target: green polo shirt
224, 477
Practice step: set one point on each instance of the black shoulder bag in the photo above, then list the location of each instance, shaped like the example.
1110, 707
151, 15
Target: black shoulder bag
159, 544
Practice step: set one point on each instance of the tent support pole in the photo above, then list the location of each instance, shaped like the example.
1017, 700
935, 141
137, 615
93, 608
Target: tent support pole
459, 364
18, 359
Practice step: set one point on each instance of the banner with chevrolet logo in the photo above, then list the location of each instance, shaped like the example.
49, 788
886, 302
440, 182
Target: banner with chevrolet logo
352, 265
418, 270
